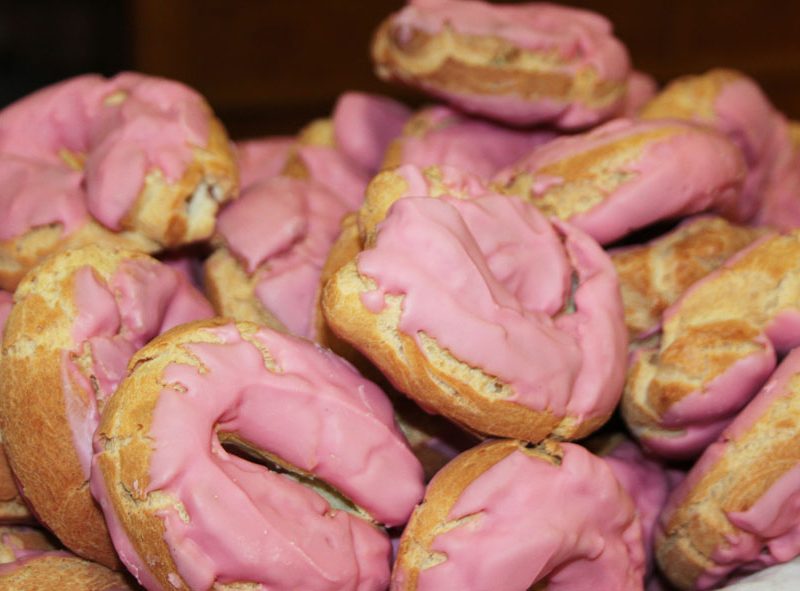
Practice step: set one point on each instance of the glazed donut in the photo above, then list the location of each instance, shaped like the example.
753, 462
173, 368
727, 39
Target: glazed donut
276, 238
479, 309
736, 511
732, 103
18, 541
653, 276
133, 152
185, 515
441, 136
717, 346
515, 64
629, 174
506, 516
77, 319
38, 571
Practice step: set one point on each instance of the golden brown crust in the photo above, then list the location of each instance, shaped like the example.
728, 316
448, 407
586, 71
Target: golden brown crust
654, 275
14, 539
19, 255
717, 323
589, 176
430, 518
451, 62
750, 465
317, 133
345, 248
12, 508
35, 419
430, 374
173, 214
231, 290
57, 570
124, 462
690, 98
794, 133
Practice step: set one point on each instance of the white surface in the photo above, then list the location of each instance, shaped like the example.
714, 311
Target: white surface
782, 577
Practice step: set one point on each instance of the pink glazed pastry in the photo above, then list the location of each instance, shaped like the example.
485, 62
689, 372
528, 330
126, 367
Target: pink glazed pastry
76, 321
186, 512
483, 311
627, 174
508, 516
275, 238
344, 152
140, 155
718, 345
443, 137
733, 104
737, 510
262, 158
35, 571
519, 64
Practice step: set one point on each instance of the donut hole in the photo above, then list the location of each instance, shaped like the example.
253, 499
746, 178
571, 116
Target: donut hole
235, 446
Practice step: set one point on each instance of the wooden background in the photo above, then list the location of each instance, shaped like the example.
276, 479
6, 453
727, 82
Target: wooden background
268, 66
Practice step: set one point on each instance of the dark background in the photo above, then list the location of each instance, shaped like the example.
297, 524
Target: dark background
268, 66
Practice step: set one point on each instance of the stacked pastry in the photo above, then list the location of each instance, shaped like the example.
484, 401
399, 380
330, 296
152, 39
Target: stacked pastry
557, 246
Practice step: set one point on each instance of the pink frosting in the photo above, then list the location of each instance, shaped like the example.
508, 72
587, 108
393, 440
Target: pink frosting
470, 144
262, 158
570, 524
641, 88
647, 483
154, 127
332, 169
769, 531
363, 126
248, 523
579, 37
489, 280
282, 229
141, 300
780, 204
688, 172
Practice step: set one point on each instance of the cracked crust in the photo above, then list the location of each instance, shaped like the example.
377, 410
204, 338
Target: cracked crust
173, 214
451, 64
431, 375
33, 403
430, 518
59, 570
123, 448
698, 526
720, 321
654, 275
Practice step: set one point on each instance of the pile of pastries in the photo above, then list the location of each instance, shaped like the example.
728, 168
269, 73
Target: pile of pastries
538, 334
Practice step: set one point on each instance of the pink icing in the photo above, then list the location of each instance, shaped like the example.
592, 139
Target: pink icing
142, 299
641, 88
488, 279
470, 144
581, 38
688, 172
363, 126
282, 230
262, 158
332, 169
571, 524
770, 528
155, 127
35, 193
250, 524
780, 205
647, 483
